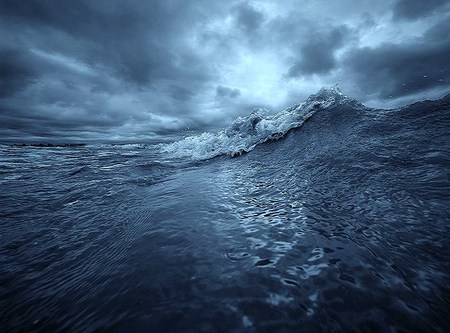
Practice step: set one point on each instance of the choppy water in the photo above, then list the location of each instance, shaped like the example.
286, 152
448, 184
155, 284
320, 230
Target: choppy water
342, 226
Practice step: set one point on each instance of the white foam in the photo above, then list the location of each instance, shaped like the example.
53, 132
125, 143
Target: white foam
258, 127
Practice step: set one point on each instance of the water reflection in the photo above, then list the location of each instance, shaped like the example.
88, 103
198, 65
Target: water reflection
291, 235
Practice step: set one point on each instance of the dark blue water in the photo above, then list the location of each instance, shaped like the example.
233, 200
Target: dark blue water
341, 226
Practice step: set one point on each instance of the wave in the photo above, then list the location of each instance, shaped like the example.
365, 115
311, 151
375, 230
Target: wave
245, 133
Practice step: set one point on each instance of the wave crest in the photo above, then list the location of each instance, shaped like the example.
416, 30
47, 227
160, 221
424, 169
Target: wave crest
258, 127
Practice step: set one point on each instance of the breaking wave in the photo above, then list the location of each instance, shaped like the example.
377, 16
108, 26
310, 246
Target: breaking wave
341, 226
258, 127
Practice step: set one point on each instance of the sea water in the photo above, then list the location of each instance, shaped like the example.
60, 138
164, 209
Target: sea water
330, 217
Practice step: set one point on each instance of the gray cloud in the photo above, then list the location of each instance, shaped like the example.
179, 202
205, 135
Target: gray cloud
227, 92
136, 41
317, 54
15, 72
414, 9
71, 57
248, 18
394, 70
135, 70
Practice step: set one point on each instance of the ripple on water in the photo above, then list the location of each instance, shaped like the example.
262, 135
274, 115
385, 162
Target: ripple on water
327, 235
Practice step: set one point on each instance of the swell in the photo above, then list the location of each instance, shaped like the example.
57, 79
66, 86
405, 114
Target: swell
245, 133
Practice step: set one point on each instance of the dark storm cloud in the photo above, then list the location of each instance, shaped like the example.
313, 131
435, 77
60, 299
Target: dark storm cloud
317, 54
123, 70
394, 70
227, 92
414, 9
248, 18
181, 93
63, 61
133, 39
15, 72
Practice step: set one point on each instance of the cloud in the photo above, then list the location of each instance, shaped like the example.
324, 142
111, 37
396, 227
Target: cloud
73, 58
133, 41
317, 54
248, 18
415, 9
138, 42
226, 92
134, 70
394, 70
15, 72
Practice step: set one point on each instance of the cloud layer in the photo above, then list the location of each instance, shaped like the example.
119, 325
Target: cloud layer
146, 70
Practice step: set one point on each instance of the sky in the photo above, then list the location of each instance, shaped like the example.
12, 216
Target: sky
149, 70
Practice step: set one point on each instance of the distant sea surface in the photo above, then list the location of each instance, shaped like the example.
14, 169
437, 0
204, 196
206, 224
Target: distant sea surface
340, 225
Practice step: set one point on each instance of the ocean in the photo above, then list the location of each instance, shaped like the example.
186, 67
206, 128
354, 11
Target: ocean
326, 217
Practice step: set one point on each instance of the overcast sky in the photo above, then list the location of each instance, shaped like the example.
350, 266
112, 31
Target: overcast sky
125, 70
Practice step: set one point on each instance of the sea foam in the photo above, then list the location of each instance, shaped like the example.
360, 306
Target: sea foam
258, 127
